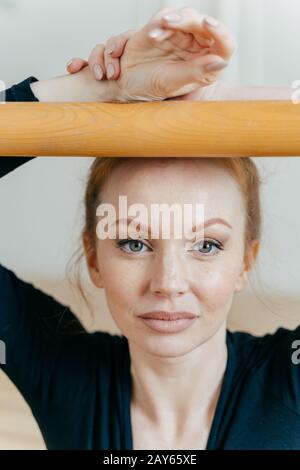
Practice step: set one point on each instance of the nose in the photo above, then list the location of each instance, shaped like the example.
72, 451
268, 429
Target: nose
168, 277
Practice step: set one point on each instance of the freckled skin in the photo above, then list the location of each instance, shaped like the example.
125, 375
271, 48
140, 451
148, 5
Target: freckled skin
166, 276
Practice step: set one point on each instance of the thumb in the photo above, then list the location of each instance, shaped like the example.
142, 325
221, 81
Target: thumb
202, 70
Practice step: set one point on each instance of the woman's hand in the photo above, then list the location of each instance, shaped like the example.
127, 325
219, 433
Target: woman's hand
177, 52
104, 60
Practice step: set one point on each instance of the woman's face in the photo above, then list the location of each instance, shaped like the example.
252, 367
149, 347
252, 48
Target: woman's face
162, 274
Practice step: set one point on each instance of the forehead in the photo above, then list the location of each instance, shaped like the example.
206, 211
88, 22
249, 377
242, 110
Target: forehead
175, 181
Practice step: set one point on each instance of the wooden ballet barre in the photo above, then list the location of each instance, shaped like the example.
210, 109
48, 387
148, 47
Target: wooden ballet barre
169, 128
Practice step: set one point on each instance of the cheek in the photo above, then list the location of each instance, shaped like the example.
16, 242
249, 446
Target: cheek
120, 283
216, 284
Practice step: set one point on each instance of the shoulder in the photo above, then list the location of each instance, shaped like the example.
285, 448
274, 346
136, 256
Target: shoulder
29, 306
257, 349
273, 361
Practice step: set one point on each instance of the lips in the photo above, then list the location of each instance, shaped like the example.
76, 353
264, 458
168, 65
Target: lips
168, 322
167, 316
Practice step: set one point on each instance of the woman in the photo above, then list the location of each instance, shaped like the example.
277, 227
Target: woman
176, 378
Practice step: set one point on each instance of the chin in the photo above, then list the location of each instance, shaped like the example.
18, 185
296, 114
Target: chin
168, 345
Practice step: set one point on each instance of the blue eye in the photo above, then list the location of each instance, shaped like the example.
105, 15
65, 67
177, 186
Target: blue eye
210, 243
136, 244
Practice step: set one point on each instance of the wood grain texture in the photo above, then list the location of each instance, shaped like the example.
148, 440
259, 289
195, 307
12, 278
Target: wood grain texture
170, 128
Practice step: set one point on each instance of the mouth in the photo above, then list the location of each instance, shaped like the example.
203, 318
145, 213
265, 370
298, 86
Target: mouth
168, 322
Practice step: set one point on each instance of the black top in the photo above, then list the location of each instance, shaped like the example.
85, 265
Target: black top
78, 384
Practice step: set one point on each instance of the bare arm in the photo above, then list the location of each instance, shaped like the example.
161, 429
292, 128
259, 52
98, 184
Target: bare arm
222, 91
79, 87
235, 92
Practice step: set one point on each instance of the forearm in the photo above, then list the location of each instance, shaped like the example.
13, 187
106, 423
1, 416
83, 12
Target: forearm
223, 91
81, 86
234, 92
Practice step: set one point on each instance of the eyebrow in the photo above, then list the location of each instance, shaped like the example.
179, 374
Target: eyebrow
215, 221
207, 223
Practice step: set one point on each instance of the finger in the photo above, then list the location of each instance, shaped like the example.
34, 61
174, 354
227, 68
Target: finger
200, 70
115, 46
114, 49
206, 30
112, 66
158, 34
186, 42
76, 64
96, 62
224, 41
155, 30
187, 20
207, 68
179, 19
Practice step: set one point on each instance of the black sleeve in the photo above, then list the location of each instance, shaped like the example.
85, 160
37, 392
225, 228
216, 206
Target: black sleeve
286, 367
20, 92
41, 341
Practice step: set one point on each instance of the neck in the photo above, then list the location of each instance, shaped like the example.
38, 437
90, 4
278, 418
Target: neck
179, 386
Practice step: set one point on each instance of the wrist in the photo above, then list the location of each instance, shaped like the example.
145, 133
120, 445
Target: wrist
98, 91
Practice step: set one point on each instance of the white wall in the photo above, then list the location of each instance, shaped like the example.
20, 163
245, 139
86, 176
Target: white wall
39, 36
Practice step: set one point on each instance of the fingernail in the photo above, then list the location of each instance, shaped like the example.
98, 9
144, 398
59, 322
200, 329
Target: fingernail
69, 63
111, 49
215, 66
156, 33
212, 21
98, 71
110, 71
172, 17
